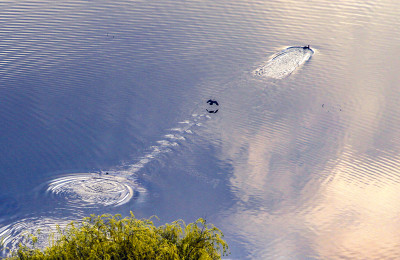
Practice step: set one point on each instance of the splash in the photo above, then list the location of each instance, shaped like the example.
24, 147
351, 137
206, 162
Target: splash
115, 188
170, 140
285, 62
80, 191
93, 189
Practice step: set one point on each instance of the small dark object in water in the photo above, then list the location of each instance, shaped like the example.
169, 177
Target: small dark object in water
212, 111
212, 102
106, 173
306, 47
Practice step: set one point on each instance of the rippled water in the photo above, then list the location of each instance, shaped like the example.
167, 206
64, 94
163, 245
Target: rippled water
41, 227
81, 189
285, 62
103, 110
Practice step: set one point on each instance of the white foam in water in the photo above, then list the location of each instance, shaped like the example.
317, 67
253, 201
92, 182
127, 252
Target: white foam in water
165, 145
284, 62
174, 137
115, 188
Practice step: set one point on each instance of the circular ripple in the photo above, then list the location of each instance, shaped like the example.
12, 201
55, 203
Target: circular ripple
93, 190
19, 232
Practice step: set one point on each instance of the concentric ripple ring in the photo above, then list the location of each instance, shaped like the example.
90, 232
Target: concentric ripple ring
87, 189
18, 232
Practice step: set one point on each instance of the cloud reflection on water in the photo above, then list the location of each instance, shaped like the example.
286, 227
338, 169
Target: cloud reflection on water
321, 181
308, 180
338, 200
359, 212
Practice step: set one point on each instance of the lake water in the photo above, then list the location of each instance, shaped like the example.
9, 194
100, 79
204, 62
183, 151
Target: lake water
103, 110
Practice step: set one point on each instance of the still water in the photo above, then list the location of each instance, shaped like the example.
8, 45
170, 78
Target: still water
103, 110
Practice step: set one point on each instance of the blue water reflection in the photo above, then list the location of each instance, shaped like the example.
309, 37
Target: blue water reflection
298, 166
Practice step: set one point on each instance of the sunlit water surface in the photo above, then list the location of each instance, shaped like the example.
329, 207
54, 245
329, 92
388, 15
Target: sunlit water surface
103, 110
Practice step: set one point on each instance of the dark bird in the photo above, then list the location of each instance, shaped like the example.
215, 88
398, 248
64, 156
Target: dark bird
212, 102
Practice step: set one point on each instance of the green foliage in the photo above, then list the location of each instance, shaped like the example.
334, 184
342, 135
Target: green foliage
114, 237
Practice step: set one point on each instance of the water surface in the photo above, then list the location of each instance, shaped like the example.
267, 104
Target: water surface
303, 166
